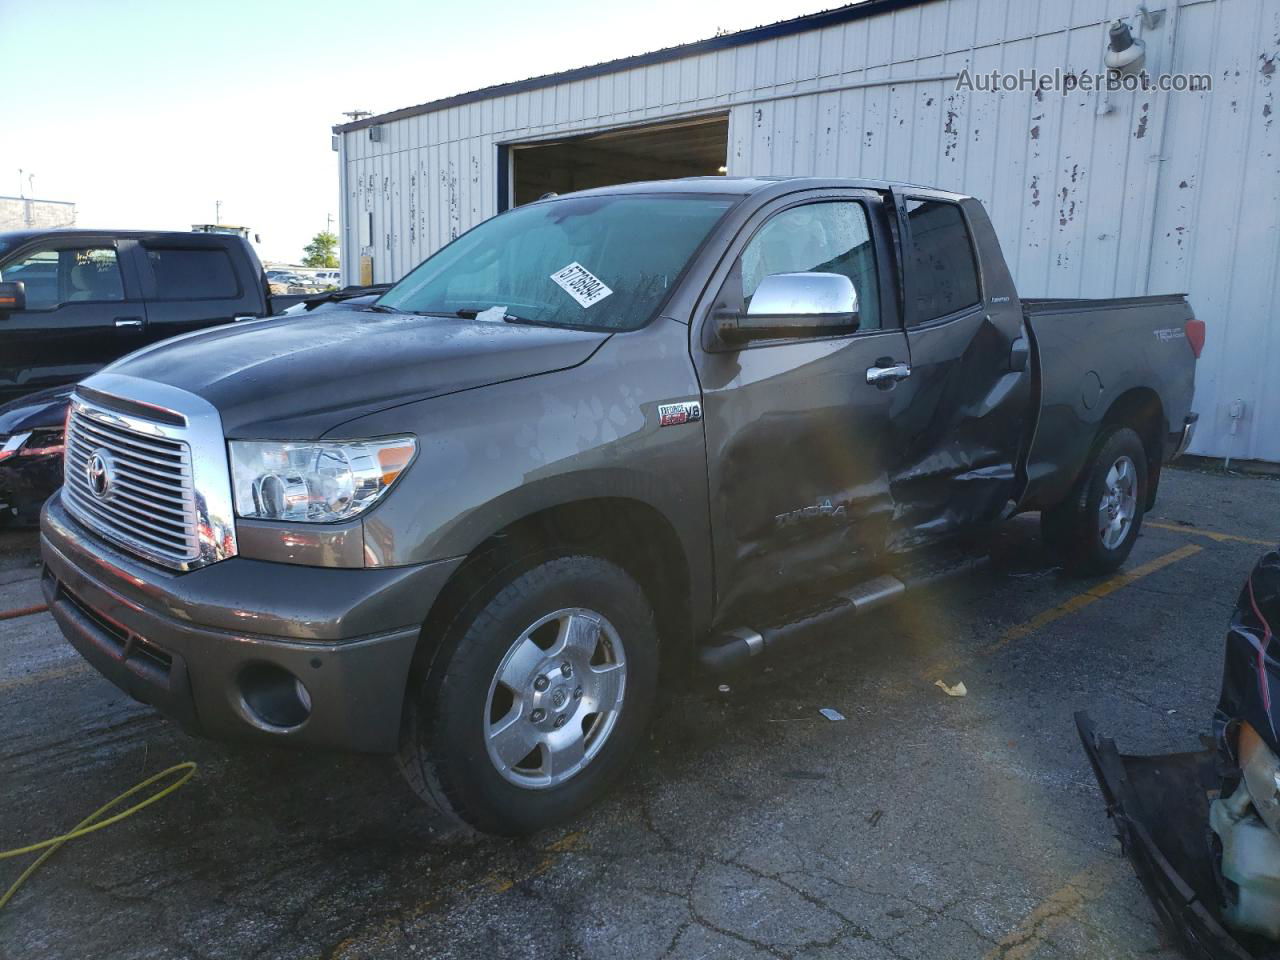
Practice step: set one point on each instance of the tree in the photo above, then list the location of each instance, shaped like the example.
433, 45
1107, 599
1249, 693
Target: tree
321, 251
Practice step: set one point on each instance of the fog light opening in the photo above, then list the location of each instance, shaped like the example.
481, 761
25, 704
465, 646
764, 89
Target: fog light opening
273, 697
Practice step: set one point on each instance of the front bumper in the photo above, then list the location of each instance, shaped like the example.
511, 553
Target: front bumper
212, 648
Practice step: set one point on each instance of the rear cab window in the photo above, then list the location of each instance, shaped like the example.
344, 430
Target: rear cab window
942, 269
189, 273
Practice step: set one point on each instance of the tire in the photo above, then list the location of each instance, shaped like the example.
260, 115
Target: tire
525, 667
1096, 527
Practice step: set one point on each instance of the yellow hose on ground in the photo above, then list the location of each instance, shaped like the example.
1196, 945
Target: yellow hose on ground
91, 823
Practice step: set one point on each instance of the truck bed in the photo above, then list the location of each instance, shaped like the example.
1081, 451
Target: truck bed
1092, 357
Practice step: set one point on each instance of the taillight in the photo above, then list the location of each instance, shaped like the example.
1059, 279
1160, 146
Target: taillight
1195, 336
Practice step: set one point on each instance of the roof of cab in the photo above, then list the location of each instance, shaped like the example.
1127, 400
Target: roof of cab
8, 236
745, 186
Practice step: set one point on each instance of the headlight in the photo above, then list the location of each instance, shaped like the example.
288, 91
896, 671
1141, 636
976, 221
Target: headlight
317, 481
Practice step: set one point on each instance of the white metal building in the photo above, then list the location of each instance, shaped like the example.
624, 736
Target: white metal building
1093, 194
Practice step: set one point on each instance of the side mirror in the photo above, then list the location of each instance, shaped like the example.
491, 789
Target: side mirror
13, 296
794, 305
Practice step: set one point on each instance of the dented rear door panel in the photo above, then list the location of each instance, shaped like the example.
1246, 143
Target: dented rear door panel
961, 420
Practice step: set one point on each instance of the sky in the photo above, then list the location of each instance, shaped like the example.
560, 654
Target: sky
147, 113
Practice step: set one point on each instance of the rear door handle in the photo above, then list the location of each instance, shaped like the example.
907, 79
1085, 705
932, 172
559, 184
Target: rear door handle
1018, 354
129, 323
887, 375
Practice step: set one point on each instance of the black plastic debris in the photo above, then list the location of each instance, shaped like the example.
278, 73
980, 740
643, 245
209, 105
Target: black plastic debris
1160, 805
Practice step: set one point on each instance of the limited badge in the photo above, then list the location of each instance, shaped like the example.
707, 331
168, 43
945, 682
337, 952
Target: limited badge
581, 284
673, 414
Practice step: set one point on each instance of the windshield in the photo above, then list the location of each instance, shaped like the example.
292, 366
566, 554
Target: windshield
603, 262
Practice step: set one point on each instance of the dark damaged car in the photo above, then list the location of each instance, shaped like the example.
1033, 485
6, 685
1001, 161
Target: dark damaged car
480, 522
1203, 828
31, 452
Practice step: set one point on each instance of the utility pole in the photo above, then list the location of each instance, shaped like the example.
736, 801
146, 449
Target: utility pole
328, 223
217, 212
21, 193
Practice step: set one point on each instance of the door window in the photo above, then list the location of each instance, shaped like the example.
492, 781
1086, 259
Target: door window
942, 276
67, 275
189, 274
828, 237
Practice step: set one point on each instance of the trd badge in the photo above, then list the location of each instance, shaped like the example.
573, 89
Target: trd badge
673, 414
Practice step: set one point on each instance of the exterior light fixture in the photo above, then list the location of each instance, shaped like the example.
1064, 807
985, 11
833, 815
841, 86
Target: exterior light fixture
1125, 53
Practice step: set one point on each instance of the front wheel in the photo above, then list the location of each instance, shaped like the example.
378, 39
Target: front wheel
1095, 529
537, 698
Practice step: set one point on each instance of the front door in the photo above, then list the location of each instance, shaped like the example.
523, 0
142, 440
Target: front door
796, 435
83, 311
964, 411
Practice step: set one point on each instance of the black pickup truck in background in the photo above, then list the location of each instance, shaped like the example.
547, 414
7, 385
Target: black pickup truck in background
72, 301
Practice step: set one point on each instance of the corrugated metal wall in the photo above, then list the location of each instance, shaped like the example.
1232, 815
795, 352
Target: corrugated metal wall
1166, 192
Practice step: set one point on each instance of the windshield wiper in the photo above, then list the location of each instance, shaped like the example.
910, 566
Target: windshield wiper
512, 318
468, 313
379, 308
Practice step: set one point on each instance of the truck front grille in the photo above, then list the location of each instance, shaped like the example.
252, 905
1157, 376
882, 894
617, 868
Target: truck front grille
134, 487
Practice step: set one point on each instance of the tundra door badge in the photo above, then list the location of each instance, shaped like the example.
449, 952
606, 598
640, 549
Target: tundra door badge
674, 414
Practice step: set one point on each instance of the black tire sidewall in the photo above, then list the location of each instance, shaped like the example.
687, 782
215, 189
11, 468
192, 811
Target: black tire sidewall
1088, 554
449, 734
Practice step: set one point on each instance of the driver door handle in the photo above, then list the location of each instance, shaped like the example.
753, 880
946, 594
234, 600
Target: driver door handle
129, 323
889, 374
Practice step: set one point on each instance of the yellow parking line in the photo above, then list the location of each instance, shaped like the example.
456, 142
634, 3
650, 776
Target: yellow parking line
499, 883
1211, 534
1054, 910
1094, 593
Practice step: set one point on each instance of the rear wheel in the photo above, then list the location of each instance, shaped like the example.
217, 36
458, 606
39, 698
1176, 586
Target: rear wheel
1095, 529
537, 699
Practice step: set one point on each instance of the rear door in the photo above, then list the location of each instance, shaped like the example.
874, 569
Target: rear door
191, 284
83, 310
964, 410
797, 438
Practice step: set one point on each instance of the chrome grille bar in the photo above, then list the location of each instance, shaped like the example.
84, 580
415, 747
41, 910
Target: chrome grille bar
146, 502
157, 486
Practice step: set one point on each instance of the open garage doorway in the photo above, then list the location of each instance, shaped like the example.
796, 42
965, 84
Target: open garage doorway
690, 148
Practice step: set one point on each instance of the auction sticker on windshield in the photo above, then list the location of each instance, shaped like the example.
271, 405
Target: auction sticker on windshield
581, 284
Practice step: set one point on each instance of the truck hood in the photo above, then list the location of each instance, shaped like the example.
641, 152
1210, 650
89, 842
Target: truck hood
295, 378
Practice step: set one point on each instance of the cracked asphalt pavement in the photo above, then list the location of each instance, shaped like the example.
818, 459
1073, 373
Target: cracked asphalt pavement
751, 827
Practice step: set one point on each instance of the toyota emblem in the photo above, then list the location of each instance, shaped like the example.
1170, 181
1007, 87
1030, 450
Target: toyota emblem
98, 471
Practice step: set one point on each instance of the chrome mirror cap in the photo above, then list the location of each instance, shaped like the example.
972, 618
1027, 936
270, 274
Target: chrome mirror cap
803, 295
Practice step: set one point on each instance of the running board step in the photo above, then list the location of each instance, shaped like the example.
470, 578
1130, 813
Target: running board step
733, 647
